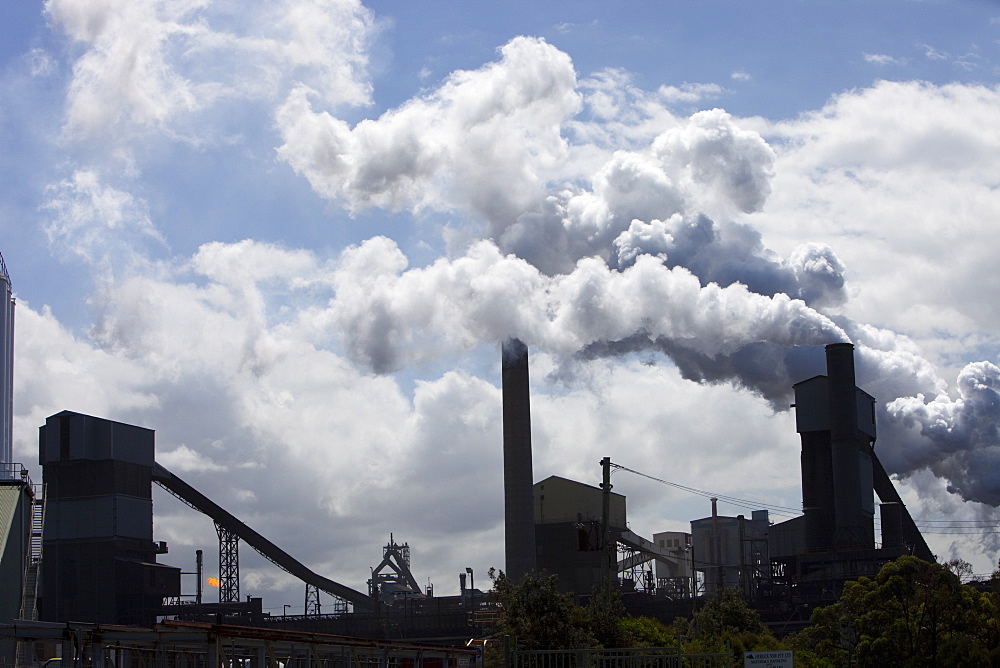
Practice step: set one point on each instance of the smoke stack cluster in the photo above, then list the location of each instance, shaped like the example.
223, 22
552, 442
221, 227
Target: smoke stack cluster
519, 509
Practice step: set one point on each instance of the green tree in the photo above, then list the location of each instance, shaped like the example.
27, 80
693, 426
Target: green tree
727, 621
727, 612
605, 615
537, 614
649, 632
913, 613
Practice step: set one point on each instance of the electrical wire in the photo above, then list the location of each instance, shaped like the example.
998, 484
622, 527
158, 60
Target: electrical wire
941, 527
732, 500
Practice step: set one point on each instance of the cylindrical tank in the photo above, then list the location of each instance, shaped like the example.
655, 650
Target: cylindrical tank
6, 371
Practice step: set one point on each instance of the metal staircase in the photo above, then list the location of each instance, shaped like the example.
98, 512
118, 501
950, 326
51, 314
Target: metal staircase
33, 565
29, 593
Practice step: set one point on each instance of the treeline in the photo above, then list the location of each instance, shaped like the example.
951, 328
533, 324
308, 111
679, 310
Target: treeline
913, 613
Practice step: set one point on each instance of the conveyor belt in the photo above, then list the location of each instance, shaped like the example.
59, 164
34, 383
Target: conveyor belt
266, 548
887, 494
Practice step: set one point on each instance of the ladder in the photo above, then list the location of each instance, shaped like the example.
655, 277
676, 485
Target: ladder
29, 590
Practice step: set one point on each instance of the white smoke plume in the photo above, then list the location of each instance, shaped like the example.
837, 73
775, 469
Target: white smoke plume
639, 250
588, 217
961, 436
392, 318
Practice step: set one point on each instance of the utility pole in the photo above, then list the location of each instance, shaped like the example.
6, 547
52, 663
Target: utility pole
608, 551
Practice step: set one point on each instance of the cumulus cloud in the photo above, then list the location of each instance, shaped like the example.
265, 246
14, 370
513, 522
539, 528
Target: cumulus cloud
904, 196
151, 64
609, 232
480, 141
664, 208
704, 164
432, 152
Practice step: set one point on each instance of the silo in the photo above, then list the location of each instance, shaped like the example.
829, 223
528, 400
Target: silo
519, 510
6, 371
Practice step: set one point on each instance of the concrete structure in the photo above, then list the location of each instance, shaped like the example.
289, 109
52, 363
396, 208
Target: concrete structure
731, 551
519, 526
6, 369
675, 578
100, 558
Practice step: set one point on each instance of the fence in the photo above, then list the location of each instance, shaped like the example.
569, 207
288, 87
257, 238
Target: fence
192, 645
645, 657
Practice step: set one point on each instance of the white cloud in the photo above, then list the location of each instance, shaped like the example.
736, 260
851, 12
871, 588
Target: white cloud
498, 127
151, 64
41, 62
183, 459
689, 93
95, 220
898, 179
672, 274
932, 53
880, 59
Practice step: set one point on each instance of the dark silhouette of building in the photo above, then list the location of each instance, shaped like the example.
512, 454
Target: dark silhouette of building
100, 558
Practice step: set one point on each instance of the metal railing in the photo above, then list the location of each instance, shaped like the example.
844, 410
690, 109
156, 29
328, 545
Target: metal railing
191, 645
641, 657
14, 471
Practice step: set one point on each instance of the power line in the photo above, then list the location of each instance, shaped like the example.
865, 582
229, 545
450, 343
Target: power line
732, 500
945, 527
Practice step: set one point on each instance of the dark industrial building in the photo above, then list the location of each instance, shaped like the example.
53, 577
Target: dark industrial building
568, 531
834, 539
16, 497
100, 558
792, 565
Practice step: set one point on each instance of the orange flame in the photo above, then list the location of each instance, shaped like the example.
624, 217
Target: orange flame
213, 582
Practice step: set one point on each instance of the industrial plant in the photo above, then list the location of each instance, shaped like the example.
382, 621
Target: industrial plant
79, 548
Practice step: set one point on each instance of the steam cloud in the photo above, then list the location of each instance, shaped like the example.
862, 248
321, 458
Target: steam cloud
642, 253
601, 224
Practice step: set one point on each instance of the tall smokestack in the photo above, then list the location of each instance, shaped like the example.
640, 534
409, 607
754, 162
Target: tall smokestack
6, 371
519, 508
846, 450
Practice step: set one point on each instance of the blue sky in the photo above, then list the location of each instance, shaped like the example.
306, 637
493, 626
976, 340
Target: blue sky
291, 239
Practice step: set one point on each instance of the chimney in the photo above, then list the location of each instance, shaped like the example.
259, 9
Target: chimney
846, 449
519, 510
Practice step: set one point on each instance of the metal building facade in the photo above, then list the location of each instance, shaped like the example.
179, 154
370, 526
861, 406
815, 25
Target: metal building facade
100, 558
15, 513
568, 531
